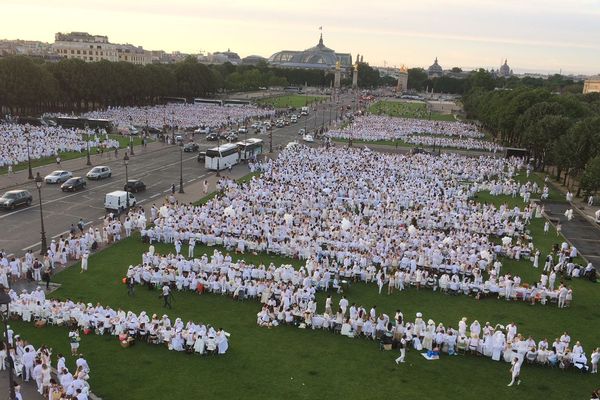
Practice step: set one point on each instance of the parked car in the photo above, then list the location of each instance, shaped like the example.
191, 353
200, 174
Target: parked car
232, 137
308, 138
212, 137
242, 129
201, 156
301, 131
255, 125
14, 198
191, 147
73, 184
202, 130
99, 172
134, 186
59, 176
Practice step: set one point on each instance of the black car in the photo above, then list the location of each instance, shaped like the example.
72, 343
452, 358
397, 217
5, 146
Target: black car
73, 184
14, 198
134, 186
191, 147
201, 156
212, 137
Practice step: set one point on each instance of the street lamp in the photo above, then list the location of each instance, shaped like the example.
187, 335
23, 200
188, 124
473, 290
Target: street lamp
173, 127
87, 142
28, 153
38, 183
4, 303
131, 144
181, 170
219, 154
126, 162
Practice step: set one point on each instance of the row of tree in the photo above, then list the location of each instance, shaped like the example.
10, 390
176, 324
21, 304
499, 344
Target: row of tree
419, 81
31, 87
560, 130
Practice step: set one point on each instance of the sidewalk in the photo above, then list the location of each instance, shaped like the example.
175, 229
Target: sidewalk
28, 389
579, 204
77, 164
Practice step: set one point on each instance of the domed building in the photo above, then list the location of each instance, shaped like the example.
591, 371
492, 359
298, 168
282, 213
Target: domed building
317, 57
505, 71
435, 70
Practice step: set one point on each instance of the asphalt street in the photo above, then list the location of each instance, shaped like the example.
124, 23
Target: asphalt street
158, 169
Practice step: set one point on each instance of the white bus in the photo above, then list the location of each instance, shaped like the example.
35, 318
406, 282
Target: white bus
250, 148
222, 157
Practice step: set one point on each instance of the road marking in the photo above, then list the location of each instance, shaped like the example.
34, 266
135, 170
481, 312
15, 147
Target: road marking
191, 180
32, 246
155, 195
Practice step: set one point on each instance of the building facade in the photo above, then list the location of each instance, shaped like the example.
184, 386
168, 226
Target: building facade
504, 71
435, 70
592, 85
93, 48
317, 57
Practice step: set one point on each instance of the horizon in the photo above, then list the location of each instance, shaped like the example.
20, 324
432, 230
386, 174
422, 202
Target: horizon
460, 33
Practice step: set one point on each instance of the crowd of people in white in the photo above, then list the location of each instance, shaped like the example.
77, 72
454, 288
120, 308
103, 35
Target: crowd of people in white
180, 115
127, 326
455, 143
36, 365
421, 132
45, 141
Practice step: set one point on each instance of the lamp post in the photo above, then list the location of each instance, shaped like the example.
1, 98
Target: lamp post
173, 127
126, 162
181, 170
38, 183
28, 153
131, 144
87, 145
219, 155
4, 303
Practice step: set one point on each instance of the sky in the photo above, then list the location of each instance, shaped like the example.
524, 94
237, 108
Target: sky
544, 36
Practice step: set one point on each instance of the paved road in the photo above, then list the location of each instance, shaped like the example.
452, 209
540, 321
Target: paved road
158, 168
580, 231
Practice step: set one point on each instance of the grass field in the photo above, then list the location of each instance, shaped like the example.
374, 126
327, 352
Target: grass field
70, 155
291, 100
292, 363
407, 110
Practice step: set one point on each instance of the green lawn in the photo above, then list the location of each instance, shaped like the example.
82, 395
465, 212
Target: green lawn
70, 155
407, 110
291, 100
292, 363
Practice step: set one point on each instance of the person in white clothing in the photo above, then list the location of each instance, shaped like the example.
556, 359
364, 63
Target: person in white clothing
84, 261
515, 372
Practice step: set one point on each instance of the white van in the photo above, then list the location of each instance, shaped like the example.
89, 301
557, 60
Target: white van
304, 110
117, 201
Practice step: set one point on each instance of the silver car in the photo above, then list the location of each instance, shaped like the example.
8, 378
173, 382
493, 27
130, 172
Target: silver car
58, 176
99, 172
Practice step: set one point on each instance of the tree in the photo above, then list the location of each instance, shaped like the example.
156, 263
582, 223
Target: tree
417, 79
590, 180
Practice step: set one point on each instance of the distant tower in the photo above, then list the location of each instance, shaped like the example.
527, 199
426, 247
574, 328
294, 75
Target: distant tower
355, 76
402, 80
338, 76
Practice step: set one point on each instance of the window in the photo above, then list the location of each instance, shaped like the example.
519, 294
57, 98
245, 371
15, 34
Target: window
72, 51
78, 52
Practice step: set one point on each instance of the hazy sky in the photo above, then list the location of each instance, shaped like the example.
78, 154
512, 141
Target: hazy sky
538, 35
